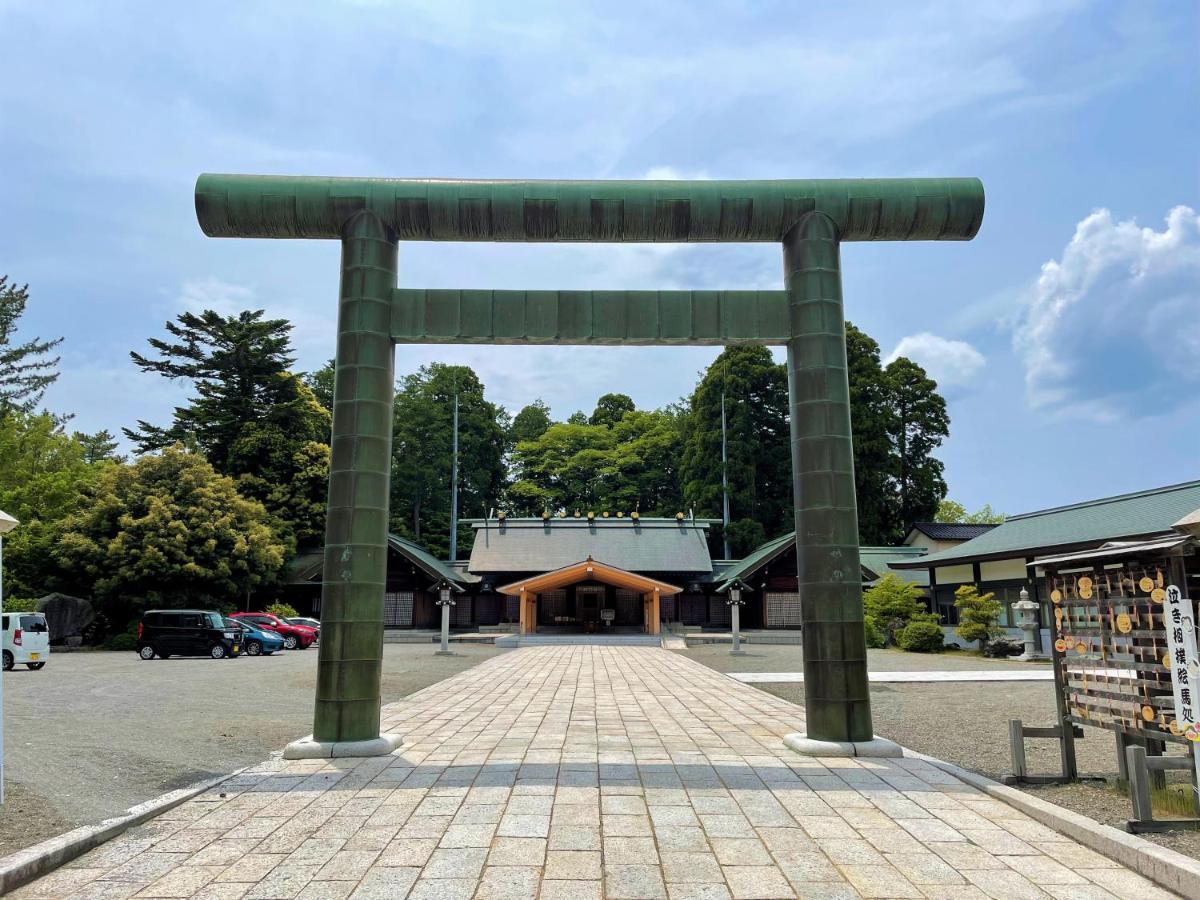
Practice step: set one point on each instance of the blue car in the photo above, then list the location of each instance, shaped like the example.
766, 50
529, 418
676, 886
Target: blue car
256, 641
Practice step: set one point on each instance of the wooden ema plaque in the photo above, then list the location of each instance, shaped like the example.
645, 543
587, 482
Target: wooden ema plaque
1110, 645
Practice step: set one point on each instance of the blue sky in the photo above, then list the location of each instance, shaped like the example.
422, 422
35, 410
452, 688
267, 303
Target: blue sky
1065, 336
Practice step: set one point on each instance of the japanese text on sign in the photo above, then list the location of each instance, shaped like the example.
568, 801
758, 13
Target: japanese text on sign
1180, 625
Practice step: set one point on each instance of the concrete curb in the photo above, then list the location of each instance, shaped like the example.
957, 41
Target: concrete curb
1167, 868
33, 862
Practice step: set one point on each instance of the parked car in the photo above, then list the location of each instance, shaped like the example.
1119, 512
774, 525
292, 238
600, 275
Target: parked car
257, 641
186, 632
26, 640
294, 636
305, 620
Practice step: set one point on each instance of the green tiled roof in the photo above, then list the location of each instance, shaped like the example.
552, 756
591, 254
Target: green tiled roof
877, 560
755, 561
645, 545
873, 560
428, 563
1080, 525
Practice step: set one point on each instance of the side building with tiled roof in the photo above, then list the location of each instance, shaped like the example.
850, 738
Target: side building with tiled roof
999, 560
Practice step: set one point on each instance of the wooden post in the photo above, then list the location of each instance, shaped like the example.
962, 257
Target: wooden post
655, 613
1016, 748
1139, 783
521, 613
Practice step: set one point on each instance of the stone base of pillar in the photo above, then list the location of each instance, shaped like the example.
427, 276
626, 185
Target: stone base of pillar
443, 652
878, 748
307, 748
737, 652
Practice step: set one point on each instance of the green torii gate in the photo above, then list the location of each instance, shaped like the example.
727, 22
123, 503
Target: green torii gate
809, 218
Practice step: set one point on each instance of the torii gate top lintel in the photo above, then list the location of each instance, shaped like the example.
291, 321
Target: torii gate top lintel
887, 209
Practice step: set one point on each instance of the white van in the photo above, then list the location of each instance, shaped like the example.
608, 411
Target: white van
26, 640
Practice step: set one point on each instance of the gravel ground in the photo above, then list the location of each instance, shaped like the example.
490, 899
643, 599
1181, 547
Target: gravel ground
94, 733
966, 723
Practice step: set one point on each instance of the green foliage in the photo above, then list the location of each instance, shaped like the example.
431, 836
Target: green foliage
892, 603
610, 409
952, 512
252, 418
283, 610
122, 641
759, 455
25, 369
282, 459
978, 614
921, 636
168, 531
875, 636
422, 453
98, 447
630, 464
871, 425
320, 383
42, 477
530, 423
920, 424
20, 604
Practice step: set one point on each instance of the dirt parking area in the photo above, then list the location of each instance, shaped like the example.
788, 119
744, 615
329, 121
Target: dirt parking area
966, 723
94, 733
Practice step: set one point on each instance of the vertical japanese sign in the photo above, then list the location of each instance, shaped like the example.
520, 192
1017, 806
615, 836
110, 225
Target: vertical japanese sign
1179, 618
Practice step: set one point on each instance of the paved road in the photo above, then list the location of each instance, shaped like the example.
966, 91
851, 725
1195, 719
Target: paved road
572, 773
94, 733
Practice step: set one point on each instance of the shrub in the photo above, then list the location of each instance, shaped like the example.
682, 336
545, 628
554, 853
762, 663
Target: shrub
921, 636
892, 603
283, 610
20, 604
978, 614
875, 636
123, 641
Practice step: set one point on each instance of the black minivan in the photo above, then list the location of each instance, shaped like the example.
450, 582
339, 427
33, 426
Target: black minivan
186, 632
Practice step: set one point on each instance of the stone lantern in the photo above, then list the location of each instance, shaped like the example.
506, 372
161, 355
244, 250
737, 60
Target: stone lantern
1029, 624
445, 602
735, 603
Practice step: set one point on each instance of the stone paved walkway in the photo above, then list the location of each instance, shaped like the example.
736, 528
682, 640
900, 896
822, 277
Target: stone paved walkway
567, 773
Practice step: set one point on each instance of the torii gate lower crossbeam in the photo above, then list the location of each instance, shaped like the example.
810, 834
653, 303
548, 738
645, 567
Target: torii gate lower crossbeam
809, 219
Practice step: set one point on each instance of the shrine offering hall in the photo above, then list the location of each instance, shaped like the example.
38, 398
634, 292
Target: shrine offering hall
588, 574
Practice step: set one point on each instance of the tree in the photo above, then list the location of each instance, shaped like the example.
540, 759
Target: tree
26, 370
422, 453
921, 423
952, 512
892, 603
978, 614
610, 409
252, 419
98, 447
43, 478
530, 423
759, 467
168, 531
631, 464
871, 419
579, 417
282, 459
233, 362
320, 383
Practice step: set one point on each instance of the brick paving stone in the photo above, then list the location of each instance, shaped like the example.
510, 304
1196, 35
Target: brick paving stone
571, 773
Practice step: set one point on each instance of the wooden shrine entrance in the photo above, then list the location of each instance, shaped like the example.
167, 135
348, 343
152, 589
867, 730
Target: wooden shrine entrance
589, 611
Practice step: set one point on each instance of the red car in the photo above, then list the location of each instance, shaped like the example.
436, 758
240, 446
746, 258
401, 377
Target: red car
294, 636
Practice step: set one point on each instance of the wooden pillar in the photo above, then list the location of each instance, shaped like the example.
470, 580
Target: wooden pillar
521, 613
656, 613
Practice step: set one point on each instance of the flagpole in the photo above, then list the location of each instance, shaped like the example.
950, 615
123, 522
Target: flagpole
454, 487
724, 476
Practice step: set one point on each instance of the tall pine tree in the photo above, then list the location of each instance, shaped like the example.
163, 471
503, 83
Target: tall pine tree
26, 369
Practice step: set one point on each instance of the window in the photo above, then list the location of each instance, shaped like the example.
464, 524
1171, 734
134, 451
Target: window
4, 623
35, 624
189, 620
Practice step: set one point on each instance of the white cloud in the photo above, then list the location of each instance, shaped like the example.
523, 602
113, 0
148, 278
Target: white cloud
670, 173
949, 363
1112, 327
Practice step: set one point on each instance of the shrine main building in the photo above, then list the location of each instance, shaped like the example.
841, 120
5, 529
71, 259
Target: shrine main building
589, 573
